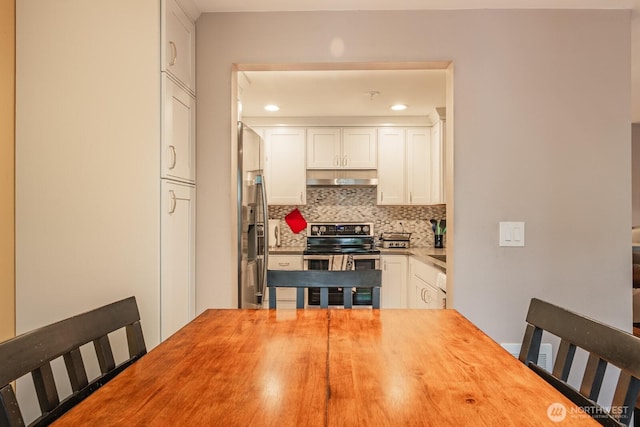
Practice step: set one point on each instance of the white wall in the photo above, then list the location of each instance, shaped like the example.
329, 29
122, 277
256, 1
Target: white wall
87, 158
542, 135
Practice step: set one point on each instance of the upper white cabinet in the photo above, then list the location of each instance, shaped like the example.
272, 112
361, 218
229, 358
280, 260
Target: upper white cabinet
285, 172
392, 187
347, 148
406, 171
179, 130
179, 45
437, 162
324, 148
419, 166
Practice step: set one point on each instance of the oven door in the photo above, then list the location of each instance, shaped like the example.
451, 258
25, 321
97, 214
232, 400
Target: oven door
360, 296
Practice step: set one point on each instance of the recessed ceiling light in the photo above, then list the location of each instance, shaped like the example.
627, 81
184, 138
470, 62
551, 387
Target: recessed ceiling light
398, 107
271, 107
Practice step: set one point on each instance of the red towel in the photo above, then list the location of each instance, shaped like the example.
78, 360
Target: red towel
295, 221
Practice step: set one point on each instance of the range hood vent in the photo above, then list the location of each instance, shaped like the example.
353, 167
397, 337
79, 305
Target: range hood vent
342, 178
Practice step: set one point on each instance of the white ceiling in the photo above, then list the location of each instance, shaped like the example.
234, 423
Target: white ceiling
342, 93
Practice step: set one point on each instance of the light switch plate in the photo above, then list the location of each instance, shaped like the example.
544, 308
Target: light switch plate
511, 233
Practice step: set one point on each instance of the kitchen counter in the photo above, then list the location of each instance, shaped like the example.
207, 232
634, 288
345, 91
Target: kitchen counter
422, 254
287, 250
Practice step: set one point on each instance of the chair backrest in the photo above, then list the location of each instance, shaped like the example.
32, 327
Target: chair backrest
324, 279
605, 345
32, 352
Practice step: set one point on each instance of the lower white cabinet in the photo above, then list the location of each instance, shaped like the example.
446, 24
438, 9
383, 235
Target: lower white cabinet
177, 257
393, 293
285, 297
423, 290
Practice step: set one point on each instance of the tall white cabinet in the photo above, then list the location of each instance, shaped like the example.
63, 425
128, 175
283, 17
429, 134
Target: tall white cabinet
177, 220
106, 135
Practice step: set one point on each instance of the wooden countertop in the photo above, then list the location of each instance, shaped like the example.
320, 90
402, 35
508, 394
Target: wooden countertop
325, 367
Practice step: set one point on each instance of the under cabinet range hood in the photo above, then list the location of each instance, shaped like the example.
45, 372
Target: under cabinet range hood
342, 178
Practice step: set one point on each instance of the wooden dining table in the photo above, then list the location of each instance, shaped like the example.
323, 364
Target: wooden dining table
334, 367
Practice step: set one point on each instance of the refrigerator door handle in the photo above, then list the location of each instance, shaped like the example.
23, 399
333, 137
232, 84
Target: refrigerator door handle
265, 218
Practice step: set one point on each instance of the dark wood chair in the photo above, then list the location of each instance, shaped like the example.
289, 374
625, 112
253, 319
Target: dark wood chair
324, 279
34, 351
605, 345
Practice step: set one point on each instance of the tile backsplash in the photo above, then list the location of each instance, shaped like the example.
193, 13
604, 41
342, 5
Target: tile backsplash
359, 204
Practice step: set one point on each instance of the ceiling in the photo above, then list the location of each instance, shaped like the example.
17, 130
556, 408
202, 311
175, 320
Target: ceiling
342, 93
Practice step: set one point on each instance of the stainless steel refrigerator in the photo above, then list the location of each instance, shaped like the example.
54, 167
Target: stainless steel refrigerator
252, 219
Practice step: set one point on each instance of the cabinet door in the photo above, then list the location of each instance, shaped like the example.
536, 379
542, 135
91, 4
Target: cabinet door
323, 148
285, 170
437, 162
393, 293
177, 257
391, 167
419, 166
359, 148
286, 296
178, 135
179, 45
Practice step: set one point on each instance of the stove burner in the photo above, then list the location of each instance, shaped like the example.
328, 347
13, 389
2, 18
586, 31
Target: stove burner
340, 238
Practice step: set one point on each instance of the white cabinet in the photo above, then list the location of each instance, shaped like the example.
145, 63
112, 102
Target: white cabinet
359, 148
177, 257
419, 166
392, 187
423, 290
437, 162
324, 148
179, 130
179, 45
285, 297
348, 148
405, 167
285, 171
393, 293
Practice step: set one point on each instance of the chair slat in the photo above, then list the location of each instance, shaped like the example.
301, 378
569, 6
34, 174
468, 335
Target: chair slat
10, 414
104, 354
564, 360
530, 349
76, 370
135, 340
625, 397
593, 377
45, 387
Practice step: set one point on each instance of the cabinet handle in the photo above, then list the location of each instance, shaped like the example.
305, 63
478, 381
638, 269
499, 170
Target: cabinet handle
382, 196
284, 264
344, 161
172, 201
174, 158
174, 53
410, 197
301, 199
337, 160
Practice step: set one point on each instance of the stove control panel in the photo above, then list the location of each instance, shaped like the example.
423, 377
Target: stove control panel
343, 229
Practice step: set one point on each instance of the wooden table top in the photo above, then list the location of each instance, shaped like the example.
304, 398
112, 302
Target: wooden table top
325, 367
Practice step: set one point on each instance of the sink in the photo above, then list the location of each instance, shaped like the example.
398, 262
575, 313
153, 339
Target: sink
442, 258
